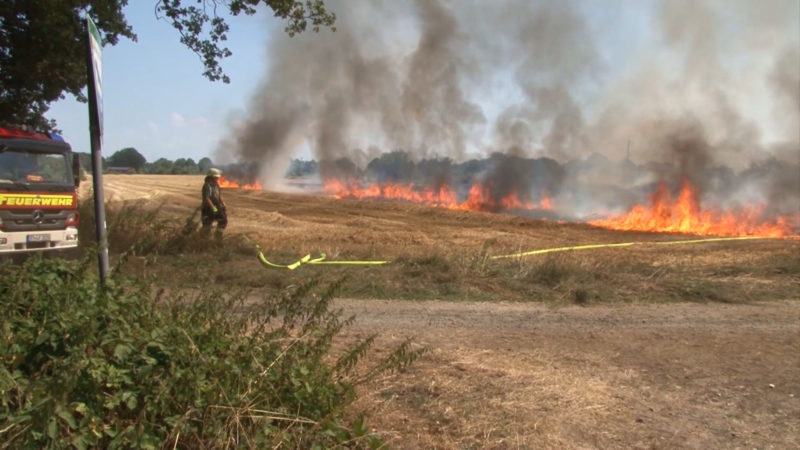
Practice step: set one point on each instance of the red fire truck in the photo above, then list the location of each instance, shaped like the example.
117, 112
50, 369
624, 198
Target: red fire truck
39, 175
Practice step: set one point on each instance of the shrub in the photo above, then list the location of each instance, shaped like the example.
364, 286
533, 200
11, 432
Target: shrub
126, 367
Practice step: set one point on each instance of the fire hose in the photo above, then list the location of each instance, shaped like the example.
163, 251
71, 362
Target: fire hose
623, 244
320, 260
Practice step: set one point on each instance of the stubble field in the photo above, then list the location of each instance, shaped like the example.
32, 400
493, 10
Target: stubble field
648, 346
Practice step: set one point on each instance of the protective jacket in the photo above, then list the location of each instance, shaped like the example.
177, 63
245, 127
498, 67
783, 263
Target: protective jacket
208, 214
211, 192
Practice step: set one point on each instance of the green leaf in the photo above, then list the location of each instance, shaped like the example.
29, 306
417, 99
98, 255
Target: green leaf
149, 441
66, 416
80, 408
80, 442
360, 429
122, 351
52, 428
130, 400
42, 337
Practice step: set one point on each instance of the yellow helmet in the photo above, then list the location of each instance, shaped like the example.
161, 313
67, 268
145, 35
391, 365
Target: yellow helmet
214, 173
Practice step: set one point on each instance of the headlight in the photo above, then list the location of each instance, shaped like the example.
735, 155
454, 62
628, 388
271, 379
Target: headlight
73, 219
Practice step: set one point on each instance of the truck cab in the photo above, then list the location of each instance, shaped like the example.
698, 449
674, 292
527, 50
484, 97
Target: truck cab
39, 175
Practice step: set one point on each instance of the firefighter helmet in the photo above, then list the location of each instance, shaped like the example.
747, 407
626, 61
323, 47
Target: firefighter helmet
214, 173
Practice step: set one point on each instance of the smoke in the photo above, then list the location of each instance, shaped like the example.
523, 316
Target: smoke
784, 81
677, 89
553, 54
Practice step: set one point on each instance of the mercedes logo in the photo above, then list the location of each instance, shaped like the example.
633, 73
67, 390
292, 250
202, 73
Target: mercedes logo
38, 216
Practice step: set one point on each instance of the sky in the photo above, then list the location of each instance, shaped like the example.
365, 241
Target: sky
157, 101
709, 61
155, 96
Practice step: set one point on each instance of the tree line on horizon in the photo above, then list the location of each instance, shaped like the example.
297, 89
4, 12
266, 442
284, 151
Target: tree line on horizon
130, 158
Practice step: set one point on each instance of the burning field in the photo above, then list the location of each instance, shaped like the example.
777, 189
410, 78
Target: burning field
684, 215
526, 187
540, 111
479, 197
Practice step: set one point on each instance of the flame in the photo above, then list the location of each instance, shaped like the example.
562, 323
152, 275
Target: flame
230, 184
546, 202
479, 197
684, 215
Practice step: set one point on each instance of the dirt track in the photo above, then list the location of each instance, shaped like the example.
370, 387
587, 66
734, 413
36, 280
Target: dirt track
528, 375
516, 375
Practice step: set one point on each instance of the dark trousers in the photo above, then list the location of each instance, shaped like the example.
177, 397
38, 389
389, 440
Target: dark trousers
208, 216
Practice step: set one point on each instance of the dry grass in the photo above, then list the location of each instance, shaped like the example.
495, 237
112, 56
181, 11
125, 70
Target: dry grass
442, 254
537, 401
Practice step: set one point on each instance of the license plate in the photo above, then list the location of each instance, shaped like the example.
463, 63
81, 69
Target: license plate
38, 237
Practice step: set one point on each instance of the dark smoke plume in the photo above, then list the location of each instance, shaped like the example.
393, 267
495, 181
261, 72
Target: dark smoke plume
622, 95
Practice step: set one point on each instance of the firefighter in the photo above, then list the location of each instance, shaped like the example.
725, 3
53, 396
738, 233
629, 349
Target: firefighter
213, 208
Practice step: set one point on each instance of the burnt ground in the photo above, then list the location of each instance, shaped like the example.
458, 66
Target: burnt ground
691, 347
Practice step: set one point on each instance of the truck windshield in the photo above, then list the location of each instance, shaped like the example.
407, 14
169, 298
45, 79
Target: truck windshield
32, 168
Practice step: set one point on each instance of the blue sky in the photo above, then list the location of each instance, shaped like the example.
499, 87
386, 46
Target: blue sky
155, 97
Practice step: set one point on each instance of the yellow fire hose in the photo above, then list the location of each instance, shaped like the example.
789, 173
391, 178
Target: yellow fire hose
623, 244
320, 260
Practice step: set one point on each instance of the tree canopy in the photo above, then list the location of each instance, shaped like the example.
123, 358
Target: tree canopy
42, 53
127, 157
43, 49
205, 163
191, 20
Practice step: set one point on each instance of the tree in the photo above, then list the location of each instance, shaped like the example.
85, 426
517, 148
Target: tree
127, 157
300, 168
395, 166
42, 53
43, 49
205, 163
185, 166
190, 21
161, 165
86, 161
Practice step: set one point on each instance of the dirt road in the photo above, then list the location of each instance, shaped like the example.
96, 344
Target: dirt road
547, 375
513, 375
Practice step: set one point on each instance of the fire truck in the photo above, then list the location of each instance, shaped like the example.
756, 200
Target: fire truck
39, 175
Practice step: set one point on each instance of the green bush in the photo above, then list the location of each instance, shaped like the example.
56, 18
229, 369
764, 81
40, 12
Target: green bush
126, 367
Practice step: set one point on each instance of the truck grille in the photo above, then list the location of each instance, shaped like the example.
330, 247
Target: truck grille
32, 220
